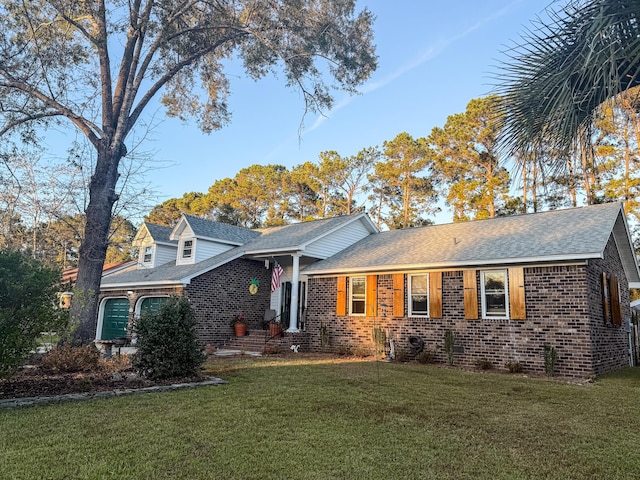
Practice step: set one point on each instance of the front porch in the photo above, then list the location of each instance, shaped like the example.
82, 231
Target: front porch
258, 340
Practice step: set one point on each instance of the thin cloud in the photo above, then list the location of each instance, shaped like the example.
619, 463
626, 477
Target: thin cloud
426, 55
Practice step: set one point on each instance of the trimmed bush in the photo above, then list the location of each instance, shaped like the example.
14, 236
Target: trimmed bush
484, 364
514, 366
70, 359
167, 346
426, 356
28, 307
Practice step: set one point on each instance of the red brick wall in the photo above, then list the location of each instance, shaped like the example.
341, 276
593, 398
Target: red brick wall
561, 310
218, 295
610, 342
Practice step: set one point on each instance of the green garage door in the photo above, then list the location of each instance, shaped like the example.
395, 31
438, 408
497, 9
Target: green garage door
115, 319
152, 304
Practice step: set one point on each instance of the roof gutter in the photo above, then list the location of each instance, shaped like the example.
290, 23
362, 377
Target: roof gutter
450, 265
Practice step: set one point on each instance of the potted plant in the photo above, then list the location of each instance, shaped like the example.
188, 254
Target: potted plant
275, 328
239, 324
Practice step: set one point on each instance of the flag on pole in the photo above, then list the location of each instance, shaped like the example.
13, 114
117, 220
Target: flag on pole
275, 278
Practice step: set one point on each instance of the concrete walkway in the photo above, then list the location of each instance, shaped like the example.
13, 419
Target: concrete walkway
223, 352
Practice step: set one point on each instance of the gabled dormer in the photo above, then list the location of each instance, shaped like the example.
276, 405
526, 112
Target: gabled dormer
154, 245
199, 239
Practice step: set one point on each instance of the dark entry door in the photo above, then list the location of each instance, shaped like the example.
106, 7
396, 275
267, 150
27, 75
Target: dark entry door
285, 308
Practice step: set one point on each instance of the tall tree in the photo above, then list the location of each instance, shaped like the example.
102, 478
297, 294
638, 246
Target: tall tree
402, 168
467, 160
302, 190
99, 64
168, 212
255, 195
352, 178
564, 68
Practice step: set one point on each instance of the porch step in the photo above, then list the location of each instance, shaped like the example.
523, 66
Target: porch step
255, 341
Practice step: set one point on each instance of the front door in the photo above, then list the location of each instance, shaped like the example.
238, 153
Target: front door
285, 304
115, 319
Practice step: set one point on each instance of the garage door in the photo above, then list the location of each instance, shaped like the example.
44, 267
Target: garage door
152, 304
115, 319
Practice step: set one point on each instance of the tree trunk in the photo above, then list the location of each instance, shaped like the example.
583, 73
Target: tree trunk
93, 248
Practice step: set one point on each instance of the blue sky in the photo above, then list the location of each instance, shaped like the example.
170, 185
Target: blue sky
434, 56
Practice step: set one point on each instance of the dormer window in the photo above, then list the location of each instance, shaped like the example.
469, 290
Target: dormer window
187, 248
148, 253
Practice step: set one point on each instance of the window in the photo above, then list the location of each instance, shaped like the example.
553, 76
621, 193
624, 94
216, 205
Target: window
151, 304
148, 252
357, 295
419, 295
187, 247
494, 294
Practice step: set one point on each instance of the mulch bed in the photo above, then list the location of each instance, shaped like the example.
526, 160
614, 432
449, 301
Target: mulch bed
33, 383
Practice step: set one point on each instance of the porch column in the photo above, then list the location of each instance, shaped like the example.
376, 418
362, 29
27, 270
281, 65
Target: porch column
293, 307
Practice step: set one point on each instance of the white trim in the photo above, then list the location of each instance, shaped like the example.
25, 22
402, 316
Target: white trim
192, 254
103, 302
141, 285
409, 296
506, 295
453, 269
629, 242
152, 254
441, 266
350, 296
138, 305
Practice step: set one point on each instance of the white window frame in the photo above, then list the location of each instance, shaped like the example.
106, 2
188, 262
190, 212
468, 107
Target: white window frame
410, 296
191, 249
138, 305
485, 315
352, 297
144, 254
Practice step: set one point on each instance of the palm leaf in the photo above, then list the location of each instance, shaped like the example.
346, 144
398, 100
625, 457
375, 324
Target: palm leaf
565, 67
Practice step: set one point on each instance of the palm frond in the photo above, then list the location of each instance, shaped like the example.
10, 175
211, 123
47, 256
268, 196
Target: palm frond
564, 68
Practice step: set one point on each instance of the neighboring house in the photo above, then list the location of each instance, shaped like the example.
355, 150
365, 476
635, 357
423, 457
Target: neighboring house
70, 275
218, 267
505, 287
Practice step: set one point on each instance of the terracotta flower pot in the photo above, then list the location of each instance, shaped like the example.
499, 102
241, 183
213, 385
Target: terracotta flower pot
240, 329
275, 329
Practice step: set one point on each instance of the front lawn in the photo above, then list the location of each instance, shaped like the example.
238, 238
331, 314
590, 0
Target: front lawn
343, 419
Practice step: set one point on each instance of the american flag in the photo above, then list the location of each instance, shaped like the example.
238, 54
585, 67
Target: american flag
275, 278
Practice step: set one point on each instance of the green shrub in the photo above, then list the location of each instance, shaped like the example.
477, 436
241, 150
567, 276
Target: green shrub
362, 352
514, 367
484, 364
167, 346
28, 307
343, 350
69, 359
449, 345
401, 355
550, 359
426, 356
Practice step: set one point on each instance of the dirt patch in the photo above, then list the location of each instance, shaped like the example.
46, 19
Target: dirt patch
32, 382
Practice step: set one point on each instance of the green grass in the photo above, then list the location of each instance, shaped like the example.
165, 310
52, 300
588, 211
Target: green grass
304, 419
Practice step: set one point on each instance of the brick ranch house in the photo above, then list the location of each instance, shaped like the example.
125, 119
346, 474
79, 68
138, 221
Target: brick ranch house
224, 270
505, 287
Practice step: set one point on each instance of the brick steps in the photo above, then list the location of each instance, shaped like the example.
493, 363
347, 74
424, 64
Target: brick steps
255, 341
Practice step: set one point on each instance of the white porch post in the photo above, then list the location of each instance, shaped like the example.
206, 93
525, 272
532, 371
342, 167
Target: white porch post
293, 307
